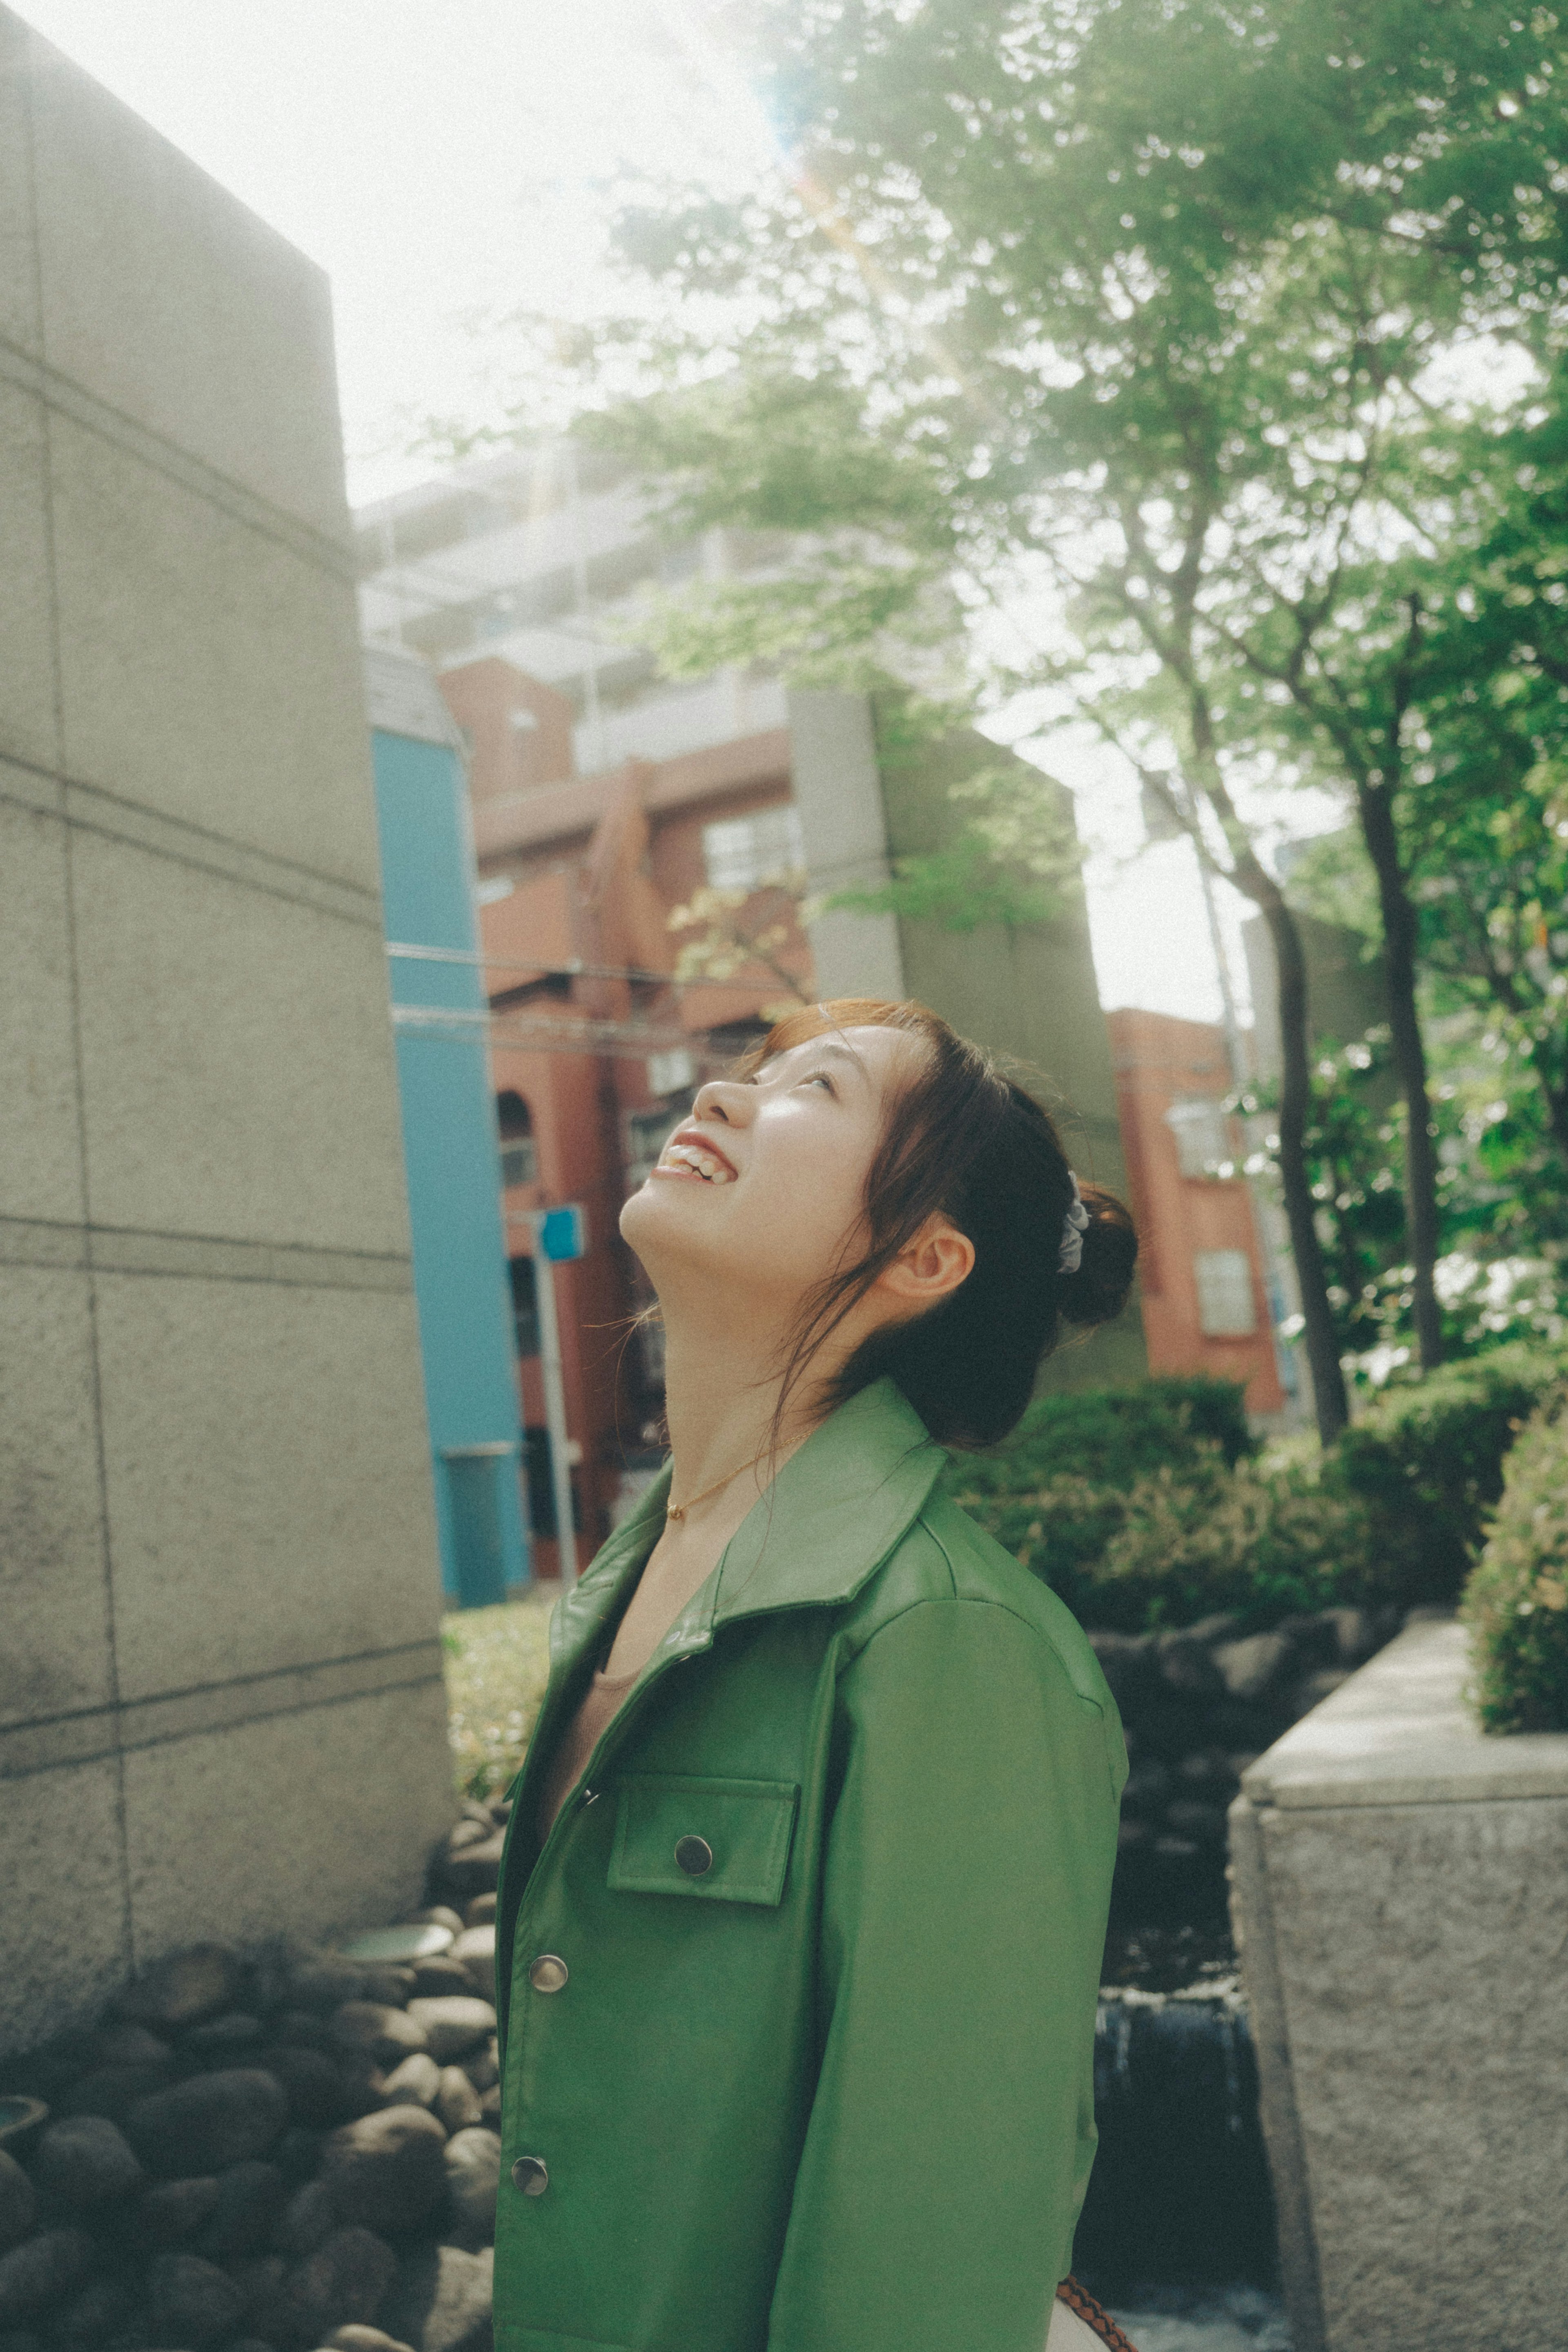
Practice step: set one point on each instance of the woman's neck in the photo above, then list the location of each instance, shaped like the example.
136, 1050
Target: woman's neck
722, 1379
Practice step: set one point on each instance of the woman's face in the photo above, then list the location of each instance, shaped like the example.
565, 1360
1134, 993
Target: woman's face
764, 1185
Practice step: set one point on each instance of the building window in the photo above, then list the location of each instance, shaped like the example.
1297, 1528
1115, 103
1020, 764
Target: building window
646, 1134
520, 1160
524, 1305
744, 852
1198, 1124
1226, 1306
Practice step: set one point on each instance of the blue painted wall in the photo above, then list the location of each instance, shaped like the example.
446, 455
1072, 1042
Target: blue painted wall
451, 1147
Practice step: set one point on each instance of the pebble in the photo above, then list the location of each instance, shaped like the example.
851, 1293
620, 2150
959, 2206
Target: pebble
91, 2318
362, 2340
475, 1952
207, 2123
481, 1912
386, 2170
472, 2160
318, 2091
454, 2024
193, 2301
113, 2090
184, 1987
308, 2218
173, 2210
456, 2100
18, 2205
225, 2041
441, 2300
414, 2084
42, 2272
248, 2207
385, 2035
431, 1978
84, 2162
344, 2281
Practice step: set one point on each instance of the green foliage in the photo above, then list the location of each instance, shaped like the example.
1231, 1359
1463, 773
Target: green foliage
1427, 1462
1516, 1601
1111, 1436
497, 1663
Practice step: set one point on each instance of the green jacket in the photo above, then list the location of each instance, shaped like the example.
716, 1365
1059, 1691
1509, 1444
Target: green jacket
830, 1900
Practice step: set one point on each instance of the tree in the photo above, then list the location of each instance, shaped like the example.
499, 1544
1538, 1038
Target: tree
1130, 304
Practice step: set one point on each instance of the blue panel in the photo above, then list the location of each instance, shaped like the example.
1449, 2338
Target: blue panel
450, 1148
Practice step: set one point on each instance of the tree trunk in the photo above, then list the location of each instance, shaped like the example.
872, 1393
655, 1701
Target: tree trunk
1295, 1104
1377, 827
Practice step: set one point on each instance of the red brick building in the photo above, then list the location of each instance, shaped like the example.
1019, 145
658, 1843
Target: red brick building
1205, 1287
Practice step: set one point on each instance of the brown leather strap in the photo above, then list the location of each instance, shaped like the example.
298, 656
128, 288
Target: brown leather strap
1093, 2315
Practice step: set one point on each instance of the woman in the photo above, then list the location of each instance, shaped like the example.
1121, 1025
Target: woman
804, 1901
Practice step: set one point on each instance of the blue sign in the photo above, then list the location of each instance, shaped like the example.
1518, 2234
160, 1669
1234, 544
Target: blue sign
563, 1234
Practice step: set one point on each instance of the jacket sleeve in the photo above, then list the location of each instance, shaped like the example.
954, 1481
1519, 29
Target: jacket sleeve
966, 1879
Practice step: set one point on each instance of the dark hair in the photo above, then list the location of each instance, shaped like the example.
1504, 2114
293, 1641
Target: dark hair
963, 1139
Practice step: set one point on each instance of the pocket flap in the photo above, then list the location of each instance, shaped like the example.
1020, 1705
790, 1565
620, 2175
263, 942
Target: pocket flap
722, 1841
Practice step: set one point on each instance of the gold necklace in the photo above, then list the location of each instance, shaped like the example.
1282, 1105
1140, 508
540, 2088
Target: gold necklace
678, 1510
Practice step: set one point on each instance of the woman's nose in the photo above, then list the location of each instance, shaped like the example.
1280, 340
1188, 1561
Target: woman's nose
724, 1100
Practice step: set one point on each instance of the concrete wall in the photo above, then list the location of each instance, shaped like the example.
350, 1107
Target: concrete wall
1402, 1906
220, 1697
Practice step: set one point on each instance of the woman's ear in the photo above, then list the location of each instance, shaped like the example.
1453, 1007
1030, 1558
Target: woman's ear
937, 1259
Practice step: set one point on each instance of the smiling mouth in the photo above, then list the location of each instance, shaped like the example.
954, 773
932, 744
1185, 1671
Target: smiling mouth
690, 1160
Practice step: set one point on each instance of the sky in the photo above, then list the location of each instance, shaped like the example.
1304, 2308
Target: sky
445, 161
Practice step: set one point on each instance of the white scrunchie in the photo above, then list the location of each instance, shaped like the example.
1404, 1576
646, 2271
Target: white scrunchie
1075, 1225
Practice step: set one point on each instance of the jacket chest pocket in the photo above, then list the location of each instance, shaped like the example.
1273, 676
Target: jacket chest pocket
718, 1840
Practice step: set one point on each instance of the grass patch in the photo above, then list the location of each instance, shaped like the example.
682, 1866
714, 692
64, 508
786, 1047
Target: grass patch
497, 1663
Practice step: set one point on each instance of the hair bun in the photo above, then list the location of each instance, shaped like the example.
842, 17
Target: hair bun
1099, 1289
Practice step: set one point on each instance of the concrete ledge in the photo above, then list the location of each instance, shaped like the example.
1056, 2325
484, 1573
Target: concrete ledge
1399, 1732
1399, 1884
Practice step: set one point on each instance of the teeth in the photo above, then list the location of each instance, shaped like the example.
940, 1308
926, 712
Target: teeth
703, 1164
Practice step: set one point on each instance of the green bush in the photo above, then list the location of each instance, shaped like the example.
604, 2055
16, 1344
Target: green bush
1184, 1541
1427, 1461
1111, 1436
1516, 1601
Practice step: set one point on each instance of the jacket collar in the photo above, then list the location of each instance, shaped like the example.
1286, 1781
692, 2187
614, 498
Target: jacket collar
821, 1529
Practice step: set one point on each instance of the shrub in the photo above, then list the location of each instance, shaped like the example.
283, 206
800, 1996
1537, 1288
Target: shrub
1427, 1462
497, 1663
1111, 1436
1516, 1602
1182, 1543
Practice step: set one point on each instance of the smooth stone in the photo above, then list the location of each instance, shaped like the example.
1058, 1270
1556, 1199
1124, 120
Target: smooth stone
472, 2175
483, 2067
438, 1915
92, 2318
452, 2024
362, 2340
250, 2202
207, 2123
126, 2044
383, 2035
456, 2100
471, 1830
386, 2170
476, 1870
41, 2271
228, 2040
316, 2091
15, 2339
113, 2090
414, 2084
173, 2209
1253, 1668
1185, 1665
475, 1949
481, 1912
19, 2205
193, 2301
321, 1985
183, 1988
442, 1975
441, 2300
416, 1941
85, 2161
308, 2221
344, 2281
298, 2154
19, 2117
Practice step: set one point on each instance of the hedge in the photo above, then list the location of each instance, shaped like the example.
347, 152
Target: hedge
1516, 1601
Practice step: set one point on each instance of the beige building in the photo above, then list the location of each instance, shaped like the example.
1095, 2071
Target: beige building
220, 1707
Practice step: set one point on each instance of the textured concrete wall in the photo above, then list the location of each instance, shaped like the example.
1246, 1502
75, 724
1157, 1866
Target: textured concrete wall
220, 1697
1402, 1902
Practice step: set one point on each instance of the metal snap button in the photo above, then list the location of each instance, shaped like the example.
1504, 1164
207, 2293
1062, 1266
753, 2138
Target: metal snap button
549, 1972
531, 2175
693, 1855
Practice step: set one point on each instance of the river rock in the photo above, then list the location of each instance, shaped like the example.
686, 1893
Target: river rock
318, 2092
440, 1974
441, 2300
456, 2100
91, 2319
414, 2084
193, 2301
373, 2029
186, 1986
113, 2090
320, 1986
250, 2202
346, 2279
207, 2123
126, 2044
173, 2210
226, 2041
475, 1952
454, 2024
387, 2170
476, 1870
42, 2272
362, 2340
18, 2205
86, 2161
1186, 1665
1257, 1666
483, 2067
438, 1915
473, 2175
481, 1911
309, 2219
